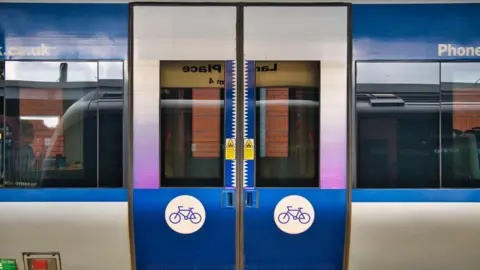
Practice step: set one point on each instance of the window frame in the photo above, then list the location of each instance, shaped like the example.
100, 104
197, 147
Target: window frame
442, 91
98, 85
291, 90
162, 181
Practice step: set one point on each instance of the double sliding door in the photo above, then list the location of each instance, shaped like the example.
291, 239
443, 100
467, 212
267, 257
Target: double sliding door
239, 123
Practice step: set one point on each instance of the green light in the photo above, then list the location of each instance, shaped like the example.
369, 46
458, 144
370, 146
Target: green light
8, 264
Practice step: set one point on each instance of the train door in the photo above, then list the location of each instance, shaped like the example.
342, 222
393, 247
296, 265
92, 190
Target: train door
183, 122
297, 82
239, 135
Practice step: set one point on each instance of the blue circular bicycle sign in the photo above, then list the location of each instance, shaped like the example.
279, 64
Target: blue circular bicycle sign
185, 214
294, 214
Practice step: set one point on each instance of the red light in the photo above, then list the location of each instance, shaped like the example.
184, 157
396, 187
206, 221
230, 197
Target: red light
39, 264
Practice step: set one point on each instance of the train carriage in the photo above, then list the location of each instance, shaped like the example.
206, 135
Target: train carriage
222, 135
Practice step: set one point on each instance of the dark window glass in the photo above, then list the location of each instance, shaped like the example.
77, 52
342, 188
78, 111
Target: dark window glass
460, 125
192, 125
60, 125
287, 121
398, 124
110, 124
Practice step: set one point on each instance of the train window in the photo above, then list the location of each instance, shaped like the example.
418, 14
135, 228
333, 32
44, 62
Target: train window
192, 123
460, 124
287, 124
398, 123
58, 124
110, 123
42, 101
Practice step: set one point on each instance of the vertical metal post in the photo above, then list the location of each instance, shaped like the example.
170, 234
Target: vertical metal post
351, 138
128, 135
440, 145
239, 239
4, 171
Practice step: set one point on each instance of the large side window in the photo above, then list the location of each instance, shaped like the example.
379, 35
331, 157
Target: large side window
398, 124
64, 123
460, 124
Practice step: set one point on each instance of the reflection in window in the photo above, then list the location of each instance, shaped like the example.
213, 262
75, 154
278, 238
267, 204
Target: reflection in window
192, 124
192, 128
287, 124
398, 123
460, 124
273, 122
61, 118
397, 73
110, 123
82, 72
110, 70
33, 71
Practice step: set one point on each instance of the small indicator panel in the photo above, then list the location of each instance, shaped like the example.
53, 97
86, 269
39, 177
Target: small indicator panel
8, 264
42, 261
42, 264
